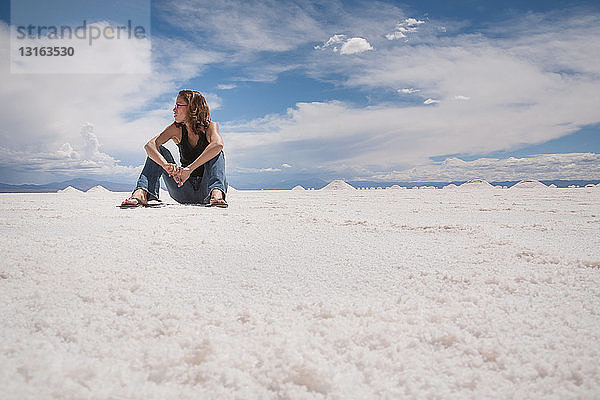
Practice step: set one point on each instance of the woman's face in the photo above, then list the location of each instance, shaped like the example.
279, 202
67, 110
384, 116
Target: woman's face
180, 110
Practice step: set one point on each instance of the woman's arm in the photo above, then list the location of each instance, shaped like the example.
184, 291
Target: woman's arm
153, 151
215, 145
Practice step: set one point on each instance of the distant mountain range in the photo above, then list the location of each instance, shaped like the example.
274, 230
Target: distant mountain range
85, 184
439, 185
317, 183
79, 183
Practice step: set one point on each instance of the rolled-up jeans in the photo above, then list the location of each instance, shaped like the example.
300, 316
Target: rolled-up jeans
196, 190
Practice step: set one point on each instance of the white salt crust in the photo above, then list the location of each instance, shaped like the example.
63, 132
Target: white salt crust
302, 295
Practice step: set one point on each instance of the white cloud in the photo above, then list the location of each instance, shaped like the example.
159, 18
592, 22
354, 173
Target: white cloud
403, 28
332, 41
431, 101
259, 72
114, 55
245, 26
395, 35
284, 165
380, 138
353, 45
408, 90
534, 83
412, 22
245, 30
226, 86
238, 170
126, 110
83, 158
540, 167
91, 146
529, 88
215, 102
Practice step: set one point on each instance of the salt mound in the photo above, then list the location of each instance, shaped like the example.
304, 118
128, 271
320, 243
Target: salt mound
98, 189
590, 185
476, 184
298, 188
231, 189
450, 186
69, 189
396, 187
553, 186
529, 184
338, 184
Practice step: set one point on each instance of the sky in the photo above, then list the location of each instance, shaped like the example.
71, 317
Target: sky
312, 90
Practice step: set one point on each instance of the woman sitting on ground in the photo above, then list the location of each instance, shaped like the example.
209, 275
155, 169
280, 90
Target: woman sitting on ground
201, 177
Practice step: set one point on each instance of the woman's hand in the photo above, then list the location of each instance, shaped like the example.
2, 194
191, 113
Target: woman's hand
171, 169
182, 175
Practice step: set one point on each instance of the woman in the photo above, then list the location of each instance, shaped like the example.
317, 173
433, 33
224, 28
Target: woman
201, 177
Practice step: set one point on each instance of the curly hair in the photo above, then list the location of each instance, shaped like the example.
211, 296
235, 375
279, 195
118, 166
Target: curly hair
198, 113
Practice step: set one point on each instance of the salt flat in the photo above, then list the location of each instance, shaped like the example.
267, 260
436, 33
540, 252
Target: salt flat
302, 295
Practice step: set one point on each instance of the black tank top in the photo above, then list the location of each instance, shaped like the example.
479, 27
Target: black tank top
188, 153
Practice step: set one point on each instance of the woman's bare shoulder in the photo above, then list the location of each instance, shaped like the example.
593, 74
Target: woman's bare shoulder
173, 131
213, 127
212, 134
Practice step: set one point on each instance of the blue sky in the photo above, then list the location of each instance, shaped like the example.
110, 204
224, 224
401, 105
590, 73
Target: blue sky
358, 90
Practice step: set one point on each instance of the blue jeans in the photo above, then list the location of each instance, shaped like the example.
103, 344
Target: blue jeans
195, 190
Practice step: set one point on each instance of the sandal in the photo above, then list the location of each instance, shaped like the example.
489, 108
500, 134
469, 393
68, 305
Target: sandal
221, 203
132, 202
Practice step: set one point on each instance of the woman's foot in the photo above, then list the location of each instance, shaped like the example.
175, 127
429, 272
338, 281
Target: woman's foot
216, 199
137, 199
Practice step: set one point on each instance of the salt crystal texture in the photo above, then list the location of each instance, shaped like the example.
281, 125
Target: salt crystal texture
298, 188
358, 295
